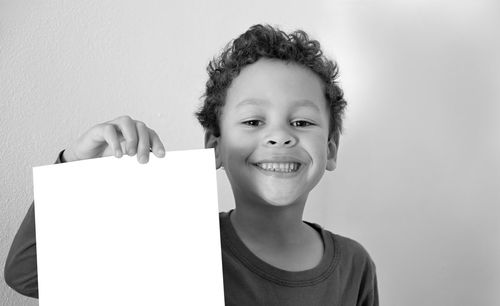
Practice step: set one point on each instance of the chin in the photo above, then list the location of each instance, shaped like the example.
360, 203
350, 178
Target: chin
280, 201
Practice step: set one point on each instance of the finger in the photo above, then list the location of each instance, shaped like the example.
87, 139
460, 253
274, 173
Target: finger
123, 145
156, 145
111, 137
143, 144
127, 127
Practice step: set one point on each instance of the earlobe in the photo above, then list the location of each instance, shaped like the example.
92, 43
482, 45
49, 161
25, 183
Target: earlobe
331, 162
211, 141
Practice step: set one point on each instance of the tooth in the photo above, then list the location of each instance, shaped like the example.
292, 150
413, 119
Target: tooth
279, 167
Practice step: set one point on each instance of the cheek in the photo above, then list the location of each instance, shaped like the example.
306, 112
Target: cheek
237, 147
318, 142
318, 148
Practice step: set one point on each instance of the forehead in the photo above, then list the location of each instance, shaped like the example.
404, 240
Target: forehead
270, 82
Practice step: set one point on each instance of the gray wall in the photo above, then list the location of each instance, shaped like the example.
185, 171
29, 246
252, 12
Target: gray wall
418, 165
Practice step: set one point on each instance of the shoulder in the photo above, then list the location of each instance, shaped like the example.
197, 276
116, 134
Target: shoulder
351, 252
357, 263
349, 245
346, 250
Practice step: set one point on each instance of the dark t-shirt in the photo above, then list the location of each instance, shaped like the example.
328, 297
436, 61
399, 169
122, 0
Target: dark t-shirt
345, 276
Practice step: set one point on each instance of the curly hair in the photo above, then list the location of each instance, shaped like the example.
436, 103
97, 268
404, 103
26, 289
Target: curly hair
265, 41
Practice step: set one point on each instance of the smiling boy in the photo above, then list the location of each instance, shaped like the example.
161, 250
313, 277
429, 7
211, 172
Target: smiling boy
274, 148
273, 114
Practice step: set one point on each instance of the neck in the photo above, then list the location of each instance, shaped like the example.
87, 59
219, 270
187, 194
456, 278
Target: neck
268, 224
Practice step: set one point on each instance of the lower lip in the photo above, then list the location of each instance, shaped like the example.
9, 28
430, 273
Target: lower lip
279, 174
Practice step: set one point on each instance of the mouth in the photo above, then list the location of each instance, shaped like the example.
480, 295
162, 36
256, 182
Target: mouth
281, 167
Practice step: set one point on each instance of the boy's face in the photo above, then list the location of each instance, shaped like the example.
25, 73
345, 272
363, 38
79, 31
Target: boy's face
274, 142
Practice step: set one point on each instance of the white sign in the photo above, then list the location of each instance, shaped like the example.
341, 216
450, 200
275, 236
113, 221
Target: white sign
112, 231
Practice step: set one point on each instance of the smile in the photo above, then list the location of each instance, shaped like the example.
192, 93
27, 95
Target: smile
286, 167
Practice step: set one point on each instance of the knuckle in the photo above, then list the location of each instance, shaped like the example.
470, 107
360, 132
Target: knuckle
109, 128
153, 133
143, 151
133, 141
143, 143
141, 126
125, 118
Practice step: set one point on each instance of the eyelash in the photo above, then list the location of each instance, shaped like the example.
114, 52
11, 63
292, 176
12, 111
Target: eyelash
255, 120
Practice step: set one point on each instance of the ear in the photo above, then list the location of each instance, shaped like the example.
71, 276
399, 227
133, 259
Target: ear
211, 141
333, 145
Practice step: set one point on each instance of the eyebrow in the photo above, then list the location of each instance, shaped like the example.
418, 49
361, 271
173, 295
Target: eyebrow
297, 103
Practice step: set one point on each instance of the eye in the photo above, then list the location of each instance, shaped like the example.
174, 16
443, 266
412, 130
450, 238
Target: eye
253, 122
301, 123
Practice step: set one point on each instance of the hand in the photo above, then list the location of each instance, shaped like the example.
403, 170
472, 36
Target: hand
122, 135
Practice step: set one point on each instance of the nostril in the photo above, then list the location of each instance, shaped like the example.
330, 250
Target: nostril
287, 142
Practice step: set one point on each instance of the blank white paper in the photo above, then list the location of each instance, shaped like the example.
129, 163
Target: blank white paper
112, 231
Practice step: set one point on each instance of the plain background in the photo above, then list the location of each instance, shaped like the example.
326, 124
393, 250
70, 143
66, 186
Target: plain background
418, 168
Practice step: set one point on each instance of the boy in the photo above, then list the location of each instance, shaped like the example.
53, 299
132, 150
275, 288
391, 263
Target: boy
273, 114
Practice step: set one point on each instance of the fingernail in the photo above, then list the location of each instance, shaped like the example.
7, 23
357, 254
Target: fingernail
118, 154
161, 153
143, 159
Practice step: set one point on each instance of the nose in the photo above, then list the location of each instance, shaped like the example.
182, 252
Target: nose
280, 137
